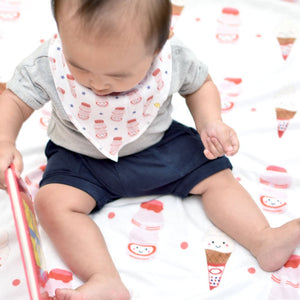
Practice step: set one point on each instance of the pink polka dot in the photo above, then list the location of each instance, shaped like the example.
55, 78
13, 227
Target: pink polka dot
111, 215
251, 270
184, 245
16, 282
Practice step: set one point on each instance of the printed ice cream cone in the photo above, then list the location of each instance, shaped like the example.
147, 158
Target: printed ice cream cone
286, 33
283, 118
218, 249
177, 8
216, 262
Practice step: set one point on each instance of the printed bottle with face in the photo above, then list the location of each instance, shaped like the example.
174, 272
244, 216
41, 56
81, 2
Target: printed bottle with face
133, 127
144, 236
228, 25
134, 97
72, 85
59, 279
146, 105
115, 145
117, 114
101, 102
100, 129
158, 77
84, 111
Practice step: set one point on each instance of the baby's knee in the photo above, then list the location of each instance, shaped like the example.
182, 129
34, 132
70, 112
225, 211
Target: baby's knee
45, 205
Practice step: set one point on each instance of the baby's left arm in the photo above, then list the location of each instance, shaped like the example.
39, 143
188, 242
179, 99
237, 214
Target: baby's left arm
205, 107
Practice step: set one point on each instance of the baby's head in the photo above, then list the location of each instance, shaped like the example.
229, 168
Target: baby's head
149, 19
109, 45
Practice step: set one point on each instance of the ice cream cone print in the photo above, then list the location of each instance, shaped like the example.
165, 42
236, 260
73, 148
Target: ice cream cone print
216, 262
283, 118
177, 8
286, 34
218, 249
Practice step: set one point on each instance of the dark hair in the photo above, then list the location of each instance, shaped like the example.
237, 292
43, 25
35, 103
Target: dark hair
153, 16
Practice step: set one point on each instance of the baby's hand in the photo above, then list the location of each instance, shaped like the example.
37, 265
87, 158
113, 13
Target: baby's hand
9, 155
219, 139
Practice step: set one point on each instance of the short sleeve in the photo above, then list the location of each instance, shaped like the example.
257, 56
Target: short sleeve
188, 72
32, 79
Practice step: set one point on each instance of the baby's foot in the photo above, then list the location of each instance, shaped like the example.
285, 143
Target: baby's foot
95, 289
277, 245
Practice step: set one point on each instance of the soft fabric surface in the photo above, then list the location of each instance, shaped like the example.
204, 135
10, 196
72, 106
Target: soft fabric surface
252, 50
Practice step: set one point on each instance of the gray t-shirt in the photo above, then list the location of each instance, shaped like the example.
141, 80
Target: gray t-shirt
33, 83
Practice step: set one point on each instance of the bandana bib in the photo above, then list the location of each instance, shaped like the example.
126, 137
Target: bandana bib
113, 121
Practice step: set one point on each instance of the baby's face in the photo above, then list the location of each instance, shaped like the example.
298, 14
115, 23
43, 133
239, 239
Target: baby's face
104, 65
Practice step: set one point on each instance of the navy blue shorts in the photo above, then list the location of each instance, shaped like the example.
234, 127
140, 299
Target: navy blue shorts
172, 166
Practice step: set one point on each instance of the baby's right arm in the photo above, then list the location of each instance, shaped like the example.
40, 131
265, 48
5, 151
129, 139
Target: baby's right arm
13, 113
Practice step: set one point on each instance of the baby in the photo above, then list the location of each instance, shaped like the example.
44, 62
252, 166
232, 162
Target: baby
110, 74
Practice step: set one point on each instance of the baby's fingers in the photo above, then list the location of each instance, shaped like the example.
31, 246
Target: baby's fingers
213, 148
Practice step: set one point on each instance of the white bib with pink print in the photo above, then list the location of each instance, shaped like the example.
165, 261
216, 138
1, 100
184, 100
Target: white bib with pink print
110, 122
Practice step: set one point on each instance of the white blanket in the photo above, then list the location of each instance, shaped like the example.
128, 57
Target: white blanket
259, 81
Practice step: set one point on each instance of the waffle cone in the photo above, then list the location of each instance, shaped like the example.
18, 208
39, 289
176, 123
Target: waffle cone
177, 9
284, 114
285, 41
216, 257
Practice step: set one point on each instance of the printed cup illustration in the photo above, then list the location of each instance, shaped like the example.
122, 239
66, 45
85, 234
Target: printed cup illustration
286, 281
115, 145
144, 237
218, 248
4, 249
100, 129
286, 34
283, 119
84, 111
228, 25
273, 196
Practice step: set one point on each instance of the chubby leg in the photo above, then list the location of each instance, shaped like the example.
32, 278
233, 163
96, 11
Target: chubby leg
229, 206
63, 213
